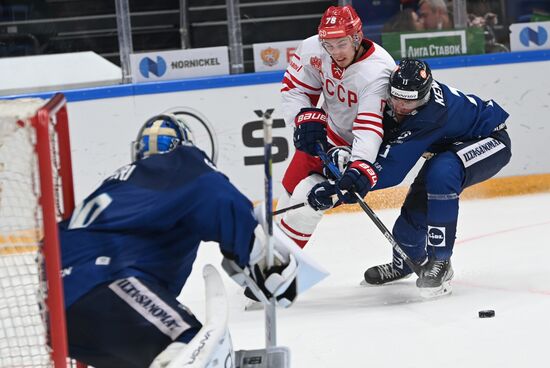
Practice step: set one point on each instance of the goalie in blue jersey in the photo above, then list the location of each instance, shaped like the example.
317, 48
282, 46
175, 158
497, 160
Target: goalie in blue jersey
464, 141
129, 248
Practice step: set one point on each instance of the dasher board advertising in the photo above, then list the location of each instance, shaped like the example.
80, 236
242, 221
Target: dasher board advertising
179, 64
270, 56
530, 36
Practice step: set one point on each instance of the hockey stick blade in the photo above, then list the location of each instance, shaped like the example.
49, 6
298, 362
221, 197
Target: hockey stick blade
274, 357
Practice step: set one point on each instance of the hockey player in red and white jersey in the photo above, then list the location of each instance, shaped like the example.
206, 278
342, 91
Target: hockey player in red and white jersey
351, 73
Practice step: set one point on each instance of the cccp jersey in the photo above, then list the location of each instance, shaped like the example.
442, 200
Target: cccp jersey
354, 97
148, 219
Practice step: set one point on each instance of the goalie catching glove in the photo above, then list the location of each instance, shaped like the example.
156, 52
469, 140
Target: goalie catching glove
279, 280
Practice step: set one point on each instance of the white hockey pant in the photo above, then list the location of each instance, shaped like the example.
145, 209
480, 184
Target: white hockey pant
299, 224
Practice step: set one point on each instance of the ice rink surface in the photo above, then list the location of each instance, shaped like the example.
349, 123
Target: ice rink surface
500, 262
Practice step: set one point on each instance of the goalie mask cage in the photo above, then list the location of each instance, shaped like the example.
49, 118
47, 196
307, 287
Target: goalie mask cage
36, 191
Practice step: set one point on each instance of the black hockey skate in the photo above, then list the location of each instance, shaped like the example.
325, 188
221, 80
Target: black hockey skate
435, 278
383, 274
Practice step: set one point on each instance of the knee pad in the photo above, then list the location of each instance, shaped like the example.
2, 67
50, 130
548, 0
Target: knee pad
300, 223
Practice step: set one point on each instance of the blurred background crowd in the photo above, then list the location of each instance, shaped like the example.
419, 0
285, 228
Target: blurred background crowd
33, 27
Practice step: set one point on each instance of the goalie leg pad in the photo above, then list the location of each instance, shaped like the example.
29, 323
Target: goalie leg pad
211, 347
168, 355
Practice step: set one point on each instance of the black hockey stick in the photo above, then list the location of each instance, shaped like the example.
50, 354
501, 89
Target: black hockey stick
270, 308
365, 207
293, 207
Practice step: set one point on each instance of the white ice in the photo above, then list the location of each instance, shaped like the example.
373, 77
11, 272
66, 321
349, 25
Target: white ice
501, 262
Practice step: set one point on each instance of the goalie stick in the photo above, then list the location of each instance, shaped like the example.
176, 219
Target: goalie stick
212, 346
270, 308
365, 207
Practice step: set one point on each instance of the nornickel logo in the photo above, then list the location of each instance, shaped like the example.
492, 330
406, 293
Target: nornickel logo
148, 65
528, 35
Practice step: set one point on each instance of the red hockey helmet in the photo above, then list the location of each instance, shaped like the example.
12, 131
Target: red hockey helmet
340, 21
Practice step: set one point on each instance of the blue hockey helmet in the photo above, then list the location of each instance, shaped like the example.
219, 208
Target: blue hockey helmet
410, 84
161, 134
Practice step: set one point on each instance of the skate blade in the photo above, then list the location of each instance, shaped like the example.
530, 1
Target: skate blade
366, 284
252, 305
436, 292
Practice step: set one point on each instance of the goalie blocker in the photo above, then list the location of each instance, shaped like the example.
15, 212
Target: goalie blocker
212, 344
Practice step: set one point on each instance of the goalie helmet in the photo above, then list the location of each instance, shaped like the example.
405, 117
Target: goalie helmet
161, 134
410, 84
341, 21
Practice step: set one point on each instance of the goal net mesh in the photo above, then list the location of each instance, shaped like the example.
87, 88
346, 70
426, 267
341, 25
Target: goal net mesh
23, 290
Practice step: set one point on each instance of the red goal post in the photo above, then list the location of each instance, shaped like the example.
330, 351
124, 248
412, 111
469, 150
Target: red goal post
36, 191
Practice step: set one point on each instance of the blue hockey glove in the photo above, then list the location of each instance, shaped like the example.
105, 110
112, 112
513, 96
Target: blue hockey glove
320, 196
359, 177
311, 129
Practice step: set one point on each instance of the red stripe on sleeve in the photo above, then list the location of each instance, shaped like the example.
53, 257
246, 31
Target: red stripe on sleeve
372, 130
369, 122
370, 114
299, 82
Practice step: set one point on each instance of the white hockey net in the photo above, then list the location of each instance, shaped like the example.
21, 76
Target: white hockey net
24, 311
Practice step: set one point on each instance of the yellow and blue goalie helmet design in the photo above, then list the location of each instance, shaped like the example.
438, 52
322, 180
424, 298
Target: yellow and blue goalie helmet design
161, 134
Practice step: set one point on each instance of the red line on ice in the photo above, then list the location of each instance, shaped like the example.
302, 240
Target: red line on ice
462, 241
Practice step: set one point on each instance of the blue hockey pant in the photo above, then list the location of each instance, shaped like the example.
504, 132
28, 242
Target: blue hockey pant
426, 226
127, 323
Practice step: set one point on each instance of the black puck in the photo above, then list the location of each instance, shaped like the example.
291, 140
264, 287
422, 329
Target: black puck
486, 313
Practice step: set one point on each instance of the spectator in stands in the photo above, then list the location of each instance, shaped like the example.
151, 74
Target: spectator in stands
404, 21
434, 15
487, 22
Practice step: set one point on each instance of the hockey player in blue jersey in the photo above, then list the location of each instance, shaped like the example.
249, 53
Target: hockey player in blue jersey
464, 141
129, 247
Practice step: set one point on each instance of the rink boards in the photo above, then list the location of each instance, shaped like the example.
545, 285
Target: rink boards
225, 113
